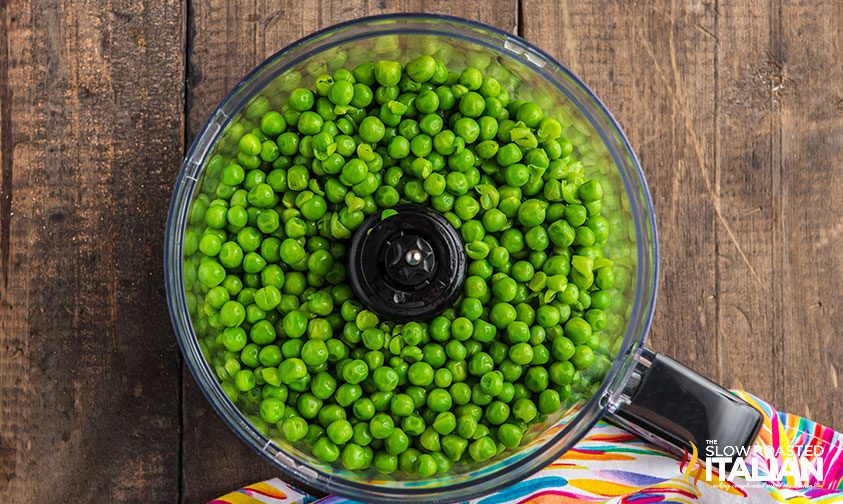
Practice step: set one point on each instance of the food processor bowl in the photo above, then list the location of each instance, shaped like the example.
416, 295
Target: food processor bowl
527, 72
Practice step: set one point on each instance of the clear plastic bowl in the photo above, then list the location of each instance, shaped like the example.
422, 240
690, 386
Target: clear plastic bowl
527, 72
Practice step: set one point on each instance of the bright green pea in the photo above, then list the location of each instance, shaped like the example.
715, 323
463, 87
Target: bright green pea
385, 379
562, 373
472, 104
340, 431
387, 73
439, 400
325, 449
355, 372
482, 449
249, 145
532, 213
294, 429
530, 114
440, 328
314, 352
590, 190
462, 328
509, 154
578, 330
397, 442
583, 357
294, 324
509, 435
421, 69
504, 289
211, 273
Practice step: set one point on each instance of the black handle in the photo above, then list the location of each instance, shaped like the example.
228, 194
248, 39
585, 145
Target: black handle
673, 407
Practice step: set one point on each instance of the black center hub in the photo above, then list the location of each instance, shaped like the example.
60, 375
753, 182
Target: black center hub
409, 260
409, 266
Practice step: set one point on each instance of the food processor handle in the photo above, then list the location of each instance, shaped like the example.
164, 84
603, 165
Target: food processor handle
672, 406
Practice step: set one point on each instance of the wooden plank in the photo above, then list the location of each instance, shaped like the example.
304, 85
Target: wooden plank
652, 63
741, 182
91, 132
226, 39
810, 93
748, 164
230, 37
779, 166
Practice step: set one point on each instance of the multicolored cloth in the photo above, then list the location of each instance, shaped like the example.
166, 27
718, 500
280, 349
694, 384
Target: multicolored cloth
612, 466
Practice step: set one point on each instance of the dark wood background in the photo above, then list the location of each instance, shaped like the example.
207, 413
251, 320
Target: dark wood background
733, 106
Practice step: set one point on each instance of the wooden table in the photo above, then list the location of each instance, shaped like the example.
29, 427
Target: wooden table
734, 108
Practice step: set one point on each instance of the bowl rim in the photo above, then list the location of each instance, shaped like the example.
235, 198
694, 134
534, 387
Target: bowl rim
590, 411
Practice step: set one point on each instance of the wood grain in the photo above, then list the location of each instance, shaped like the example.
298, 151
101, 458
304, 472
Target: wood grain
653, 65
734, 110
779, 151
227, 38
810, 91
91, 132
748, 163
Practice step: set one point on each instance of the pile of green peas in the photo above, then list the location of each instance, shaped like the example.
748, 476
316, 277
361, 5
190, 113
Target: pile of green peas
306, 362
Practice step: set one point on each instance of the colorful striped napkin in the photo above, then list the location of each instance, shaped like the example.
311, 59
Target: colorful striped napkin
794, 460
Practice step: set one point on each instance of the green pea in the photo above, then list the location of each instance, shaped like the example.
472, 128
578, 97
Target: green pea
325, 449
363, 409
439, 400
421, 69
244, 380
590, 190
454, 446
513, 240
471, 308
323, 385
211, 273
521, 353
387, 73
472, 231
504, 289
502, 315
509, 435
524, 410
232, 314
354, 457
482, 449
583, 357
355, 371
462, 328
385, 463
273, 124
497, 412
532, 213
460, 393
536, 378
310, 123
549, 401
294, 429
421, 374
340, 431
385, 379
249, 145
472, 104
492, 383
396, 442
301, 99
578, 330
561, 373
